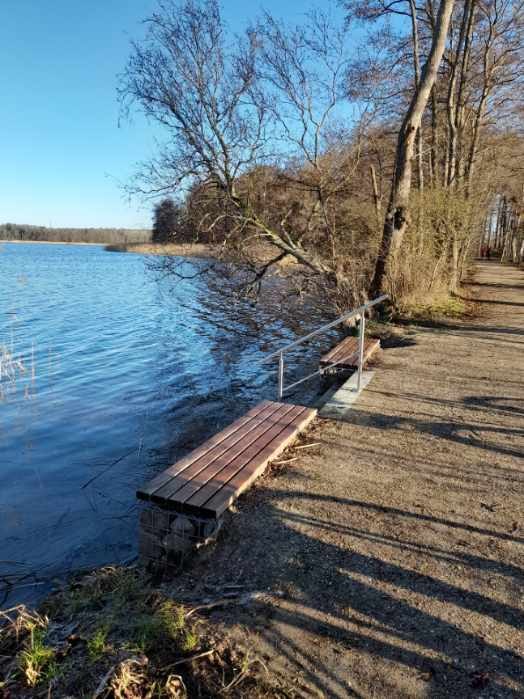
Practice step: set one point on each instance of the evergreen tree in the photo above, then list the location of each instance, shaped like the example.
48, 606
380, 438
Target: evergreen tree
165, 221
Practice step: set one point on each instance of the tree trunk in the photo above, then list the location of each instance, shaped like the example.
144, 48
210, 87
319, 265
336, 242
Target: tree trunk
452, 102
397, 214
376, 195
460, 106
416, 69
479, 115
434, 144
503, 224
433, 159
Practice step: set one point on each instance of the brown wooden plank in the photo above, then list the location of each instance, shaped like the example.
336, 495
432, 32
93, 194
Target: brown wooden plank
330, 354
178, 480
346, 357
346, 348
186, 486
168, 490
162, 478
275, 426
348, 344
370, 347
244, 478
349, 359
240, 481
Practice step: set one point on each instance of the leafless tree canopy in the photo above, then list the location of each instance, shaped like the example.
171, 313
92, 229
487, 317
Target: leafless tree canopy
349, 166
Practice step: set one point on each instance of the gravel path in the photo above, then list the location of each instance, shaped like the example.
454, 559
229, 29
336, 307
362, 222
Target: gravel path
394, 551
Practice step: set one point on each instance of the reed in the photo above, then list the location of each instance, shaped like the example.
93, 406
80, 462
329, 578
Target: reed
11, 365
14, 367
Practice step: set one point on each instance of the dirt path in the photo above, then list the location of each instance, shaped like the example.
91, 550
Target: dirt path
395, 549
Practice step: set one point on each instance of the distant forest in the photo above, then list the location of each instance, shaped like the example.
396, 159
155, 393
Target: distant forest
16, 231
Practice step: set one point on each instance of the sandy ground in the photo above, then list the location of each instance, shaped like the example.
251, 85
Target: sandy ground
393, 552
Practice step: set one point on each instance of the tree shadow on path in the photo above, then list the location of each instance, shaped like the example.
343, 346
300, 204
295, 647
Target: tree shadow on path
363, 605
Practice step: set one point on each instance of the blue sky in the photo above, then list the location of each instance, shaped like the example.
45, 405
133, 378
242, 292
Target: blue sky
64, 156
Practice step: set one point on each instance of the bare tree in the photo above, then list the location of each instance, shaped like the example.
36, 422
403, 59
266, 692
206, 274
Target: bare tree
290, 148
208, 96
268, 101
397, 215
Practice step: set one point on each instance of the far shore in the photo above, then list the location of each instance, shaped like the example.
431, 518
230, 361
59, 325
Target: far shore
172, 249
200, 250
50, 242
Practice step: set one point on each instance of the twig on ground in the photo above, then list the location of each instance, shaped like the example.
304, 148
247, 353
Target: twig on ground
243, 599
307, 446
197, 656
236, 680
285, 461
103, 682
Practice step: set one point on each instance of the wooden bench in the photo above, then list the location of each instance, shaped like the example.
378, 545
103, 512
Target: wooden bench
208, 480
345, 354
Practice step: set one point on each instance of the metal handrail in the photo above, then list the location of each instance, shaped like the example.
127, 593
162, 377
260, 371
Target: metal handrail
359, 312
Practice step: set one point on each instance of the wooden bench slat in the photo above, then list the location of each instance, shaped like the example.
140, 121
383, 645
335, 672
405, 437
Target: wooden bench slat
219, 439
210, 455
200, 473
330, 356
345, 355
348, 346
208, 479
276, 425
243, 479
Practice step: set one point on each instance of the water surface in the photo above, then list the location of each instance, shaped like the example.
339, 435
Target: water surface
110, 372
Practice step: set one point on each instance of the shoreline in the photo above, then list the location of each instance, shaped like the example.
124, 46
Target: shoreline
165, 249
169, 625
49, 242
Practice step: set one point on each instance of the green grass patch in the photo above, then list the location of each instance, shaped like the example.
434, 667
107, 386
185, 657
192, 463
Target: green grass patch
435, 309
97, 645
37, 661
166, 624
115, 627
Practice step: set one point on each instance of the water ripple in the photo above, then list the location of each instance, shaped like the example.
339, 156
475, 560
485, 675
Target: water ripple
122, 373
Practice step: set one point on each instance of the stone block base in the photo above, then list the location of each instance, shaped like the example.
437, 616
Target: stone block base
166, 537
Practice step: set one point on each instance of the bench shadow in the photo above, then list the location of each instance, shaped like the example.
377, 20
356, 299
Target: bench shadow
492, 301
493, 403
487, 475
443, 429
483, 404
458, 326
396, 341
494, 285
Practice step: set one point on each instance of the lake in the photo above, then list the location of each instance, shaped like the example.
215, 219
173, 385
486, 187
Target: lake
111, 371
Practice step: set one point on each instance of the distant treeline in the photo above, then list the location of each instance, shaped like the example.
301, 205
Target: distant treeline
16, 231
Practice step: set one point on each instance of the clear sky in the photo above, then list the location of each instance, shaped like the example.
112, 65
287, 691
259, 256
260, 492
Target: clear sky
63, 154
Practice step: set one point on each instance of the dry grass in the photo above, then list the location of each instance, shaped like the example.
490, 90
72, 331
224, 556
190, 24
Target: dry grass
114, 634
262, 253
174, 249
14, 368
11, 365
435, 307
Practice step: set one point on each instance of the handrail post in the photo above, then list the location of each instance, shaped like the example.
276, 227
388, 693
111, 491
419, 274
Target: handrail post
361, 333
359, 312
280, 375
